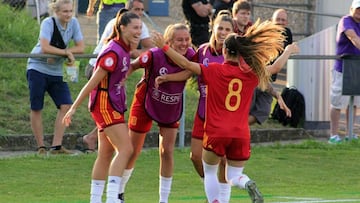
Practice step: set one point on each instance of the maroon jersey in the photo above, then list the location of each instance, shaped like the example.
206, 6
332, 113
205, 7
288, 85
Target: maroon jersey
229, 93
164, 104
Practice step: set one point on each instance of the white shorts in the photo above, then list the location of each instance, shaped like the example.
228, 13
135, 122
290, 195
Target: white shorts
337, 100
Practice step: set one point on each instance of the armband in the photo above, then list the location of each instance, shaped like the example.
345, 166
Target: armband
165, 48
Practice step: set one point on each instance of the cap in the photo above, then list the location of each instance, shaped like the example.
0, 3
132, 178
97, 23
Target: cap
355, 4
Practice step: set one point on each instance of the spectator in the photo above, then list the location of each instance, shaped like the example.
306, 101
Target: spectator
107, 104
197, 14
242, 71
279, 17
219, 5
46, 75
137, 7
163, 105
107, 11
241, 12
347, 42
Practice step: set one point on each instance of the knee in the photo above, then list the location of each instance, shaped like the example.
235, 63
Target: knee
195, 158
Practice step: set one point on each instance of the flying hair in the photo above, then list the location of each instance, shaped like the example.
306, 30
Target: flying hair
260, 44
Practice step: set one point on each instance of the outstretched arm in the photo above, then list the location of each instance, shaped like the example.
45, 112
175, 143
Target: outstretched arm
173, 77
179, 59
282, 59
85, 91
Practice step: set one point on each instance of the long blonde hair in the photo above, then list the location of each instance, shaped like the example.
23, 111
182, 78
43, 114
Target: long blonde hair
260, 44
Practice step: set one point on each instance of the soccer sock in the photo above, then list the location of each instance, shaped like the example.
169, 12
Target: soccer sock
125, 178
225, 192
211, 182
164, 188
96, 191
113, 189
236, 177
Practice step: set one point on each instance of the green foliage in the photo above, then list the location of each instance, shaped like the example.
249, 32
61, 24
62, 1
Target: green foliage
305, 170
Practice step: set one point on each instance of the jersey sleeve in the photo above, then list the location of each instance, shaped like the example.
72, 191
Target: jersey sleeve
145, 59
208, 72
108, 61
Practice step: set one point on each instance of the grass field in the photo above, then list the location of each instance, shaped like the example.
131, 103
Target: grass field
303, 173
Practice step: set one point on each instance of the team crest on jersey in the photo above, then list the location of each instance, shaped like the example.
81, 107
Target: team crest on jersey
109, 61
145, 58
125, 64
156, 94
206, 62
163, 71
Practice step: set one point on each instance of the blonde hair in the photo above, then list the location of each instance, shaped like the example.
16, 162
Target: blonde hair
260, 44
170, 31
55, 5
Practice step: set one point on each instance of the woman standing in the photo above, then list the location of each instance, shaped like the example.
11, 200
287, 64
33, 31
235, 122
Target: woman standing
46, 75
107, 104
229, 92
163, 105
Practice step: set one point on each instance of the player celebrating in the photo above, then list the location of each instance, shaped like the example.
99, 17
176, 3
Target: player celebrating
230, 86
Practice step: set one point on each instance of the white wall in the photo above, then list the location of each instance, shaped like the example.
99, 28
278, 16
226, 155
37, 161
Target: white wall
338, 7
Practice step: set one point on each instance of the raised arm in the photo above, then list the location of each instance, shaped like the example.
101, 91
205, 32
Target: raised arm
179, 59
282, 59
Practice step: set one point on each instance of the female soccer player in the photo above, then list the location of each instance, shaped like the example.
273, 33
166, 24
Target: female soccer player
229, 92
163, 105
107, 104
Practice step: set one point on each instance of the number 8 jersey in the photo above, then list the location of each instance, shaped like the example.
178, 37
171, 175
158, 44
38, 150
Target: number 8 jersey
229, 93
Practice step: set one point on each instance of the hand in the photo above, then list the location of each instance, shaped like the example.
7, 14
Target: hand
67, 118
158, 39
50, 60
90, 12
159, 80
292, 48
283, 106
70, 58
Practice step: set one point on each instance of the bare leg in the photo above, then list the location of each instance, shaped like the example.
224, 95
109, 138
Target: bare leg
195, 156
166, 150
59, 127
37, 127
137, 141
251, 120
90, 139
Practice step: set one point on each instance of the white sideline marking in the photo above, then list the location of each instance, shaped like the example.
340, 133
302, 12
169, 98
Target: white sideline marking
316, 200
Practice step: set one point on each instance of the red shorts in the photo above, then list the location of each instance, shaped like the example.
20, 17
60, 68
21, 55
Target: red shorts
139, 120
238, 149
198, 128
107, 116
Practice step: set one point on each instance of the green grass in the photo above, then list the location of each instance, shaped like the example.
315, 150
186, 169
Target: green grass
307, 170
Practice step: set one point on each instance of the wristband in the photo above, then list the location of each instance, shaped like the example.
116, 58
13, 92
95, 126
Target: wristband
166, 48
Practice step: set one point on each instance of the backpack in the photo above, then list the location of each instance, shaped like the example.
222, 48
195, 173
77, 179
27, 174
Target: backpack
296, 103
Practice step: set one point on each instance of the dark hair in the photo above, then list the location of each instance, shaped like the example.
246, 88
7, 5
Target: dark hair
260, 44
240, 5
130, 3
122, 18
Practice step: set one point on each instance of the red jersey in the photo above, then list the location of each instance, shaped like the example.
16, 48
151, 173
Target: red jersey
229, 94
